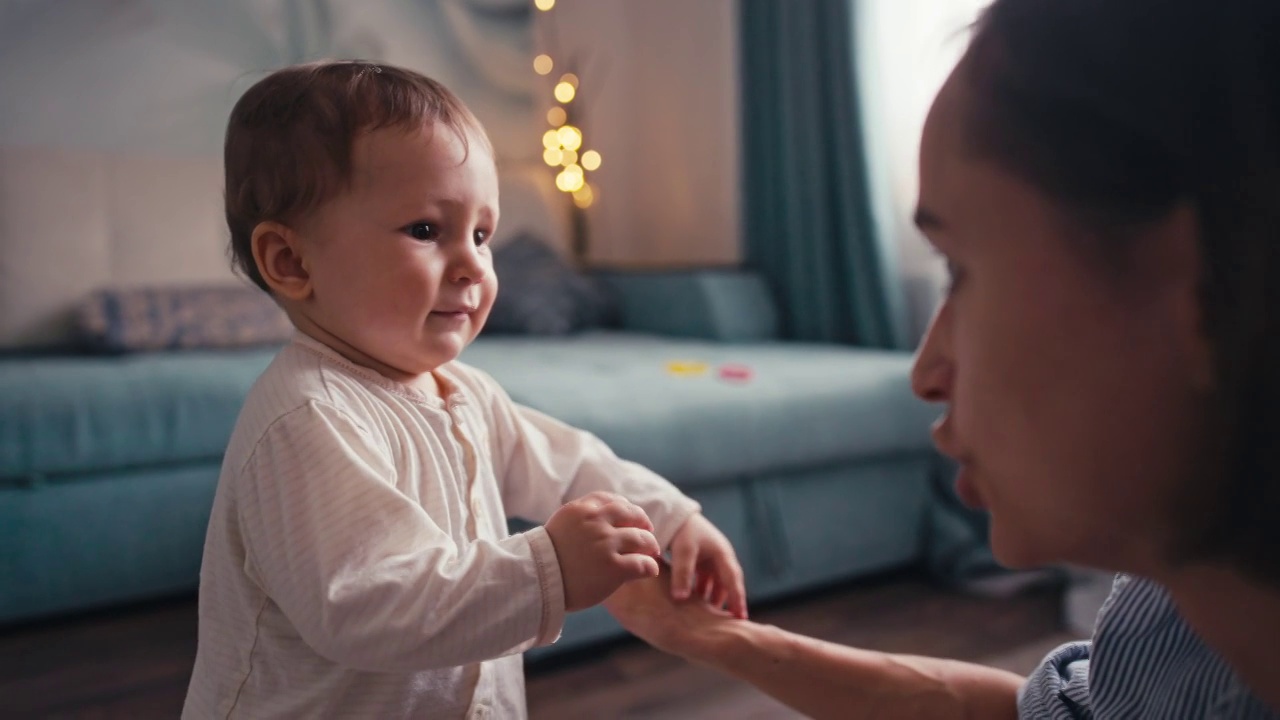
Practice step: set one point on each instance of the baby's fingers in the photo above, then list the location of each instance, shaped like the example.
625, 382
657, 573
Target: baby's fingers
716, 595
684, 559
706, 584
635, 540
730, 581
637, 566
736, 602
623, 513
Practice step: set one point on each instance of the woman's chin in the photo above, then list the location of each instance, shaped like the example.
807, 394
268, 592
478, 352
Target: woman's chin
1013, 551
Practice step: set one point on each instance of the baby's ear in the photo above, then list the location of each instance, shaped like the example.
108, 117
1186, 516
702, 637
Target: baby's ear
278, 254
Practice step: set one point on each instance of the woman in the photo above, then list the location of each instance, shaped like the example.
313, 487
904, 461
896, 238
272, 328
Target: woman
1103, 178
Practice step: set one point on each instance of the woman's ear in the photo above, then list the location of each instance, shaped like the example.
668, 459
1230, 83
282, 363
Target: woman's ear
277, 251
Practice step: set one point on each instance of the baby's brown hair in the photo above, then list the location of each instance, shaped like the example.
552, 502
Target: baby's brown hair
290, 137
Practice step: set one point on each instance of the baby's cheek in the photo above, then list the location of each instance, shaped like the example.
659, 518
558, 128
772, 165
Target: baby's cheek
489, 291
408, 293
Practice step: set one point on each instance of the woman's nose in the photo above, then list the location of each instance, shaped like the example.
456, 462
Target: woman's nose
932, 373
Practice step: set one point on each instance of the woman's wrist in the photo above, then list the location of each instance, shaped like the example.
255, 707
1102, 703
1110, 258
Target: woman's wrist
717, 644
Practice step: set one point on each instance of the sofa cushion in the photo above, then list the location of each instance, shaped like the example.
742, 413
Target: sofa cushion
799, 406
657, 400
541, 294
170, 318
729, 305
75, 414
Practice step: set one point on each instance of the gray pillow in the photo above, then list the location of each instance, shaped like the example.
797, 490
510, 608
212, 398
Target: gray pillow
180, 318
540, 294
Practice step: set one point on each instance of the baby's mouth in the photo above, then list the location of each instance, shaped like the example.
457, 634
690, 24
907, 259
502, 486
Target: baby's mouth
454, 310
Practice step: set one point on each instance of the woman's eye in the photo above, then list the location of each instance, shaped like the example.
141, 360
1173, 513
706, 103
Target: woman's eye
422, 231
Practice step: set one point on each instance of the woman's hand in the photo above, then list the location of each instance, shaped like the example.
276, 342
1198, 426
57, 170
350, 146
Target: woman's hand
819, 679
688, 628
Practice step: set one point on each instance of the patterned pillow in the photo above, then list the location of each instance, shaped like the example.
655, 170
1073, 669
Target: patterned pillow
540, 294
180, 318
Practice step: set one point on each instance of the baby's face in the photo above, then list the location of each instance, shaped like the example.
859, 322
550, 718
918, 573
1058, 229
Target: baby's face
401, 269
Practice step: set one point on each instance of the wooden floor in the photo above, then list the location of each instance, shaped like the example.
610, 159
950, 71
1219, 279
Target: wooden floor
136, 663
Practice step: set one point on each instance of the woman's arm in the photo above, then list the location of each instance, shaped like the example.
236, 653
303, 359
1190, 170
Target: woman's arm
826, 680
819, 679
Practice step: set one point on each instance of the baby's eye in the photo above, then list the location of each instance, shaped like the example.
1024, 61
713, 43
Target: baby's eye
422, 231
482, 237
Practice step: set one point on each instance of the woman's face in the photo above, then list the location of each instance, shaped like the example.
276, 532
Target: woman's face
1072, 388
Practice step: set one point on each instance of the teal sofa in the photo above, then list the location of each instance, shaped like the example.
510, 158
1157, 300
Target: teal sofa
816, 464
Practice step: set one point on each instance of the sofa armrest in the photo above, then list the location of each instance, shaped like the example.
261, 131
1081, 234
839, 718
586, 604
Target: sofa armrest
725, 305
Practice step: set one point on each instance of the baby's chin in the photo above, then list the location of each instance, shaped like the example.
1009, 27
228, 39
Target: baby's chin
405, 361
412, 356
438, 351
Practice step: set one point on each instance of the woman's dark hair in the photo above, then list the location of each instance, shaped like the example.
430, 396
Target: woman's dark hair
1124, 110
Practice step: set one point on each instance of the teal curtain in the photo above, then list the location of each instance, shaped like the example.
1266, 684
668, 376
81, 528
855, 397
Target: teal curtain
808, 219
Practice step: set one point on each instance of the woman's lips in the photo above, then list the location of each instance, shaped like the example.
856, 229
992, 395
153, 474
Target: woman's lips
943, 434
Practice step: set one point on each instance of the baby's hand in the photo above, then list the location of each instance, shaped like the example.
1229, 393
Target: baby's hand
602, 541
703, 564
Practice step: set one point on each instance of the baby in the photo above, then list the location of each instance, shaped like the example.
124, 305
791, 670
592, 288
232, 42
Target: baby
358, 562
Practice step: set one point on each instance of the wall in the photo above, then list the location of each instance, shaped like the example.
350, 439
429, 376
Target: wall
661, 88
660, 91
161, 77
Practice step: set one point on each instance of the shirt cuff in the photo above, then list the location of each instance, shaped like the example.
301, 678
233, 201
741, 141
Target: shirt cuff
551, 584
671, 521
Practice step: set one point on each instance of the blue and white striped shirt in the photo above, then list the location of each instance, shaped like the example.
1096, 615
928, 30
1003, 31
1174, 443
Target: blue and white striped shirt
1144, 662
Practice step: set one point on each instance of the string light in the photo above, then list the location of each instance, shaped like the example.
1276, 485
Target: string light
564, 92
584, 196
562, 144
570, 179
569, 137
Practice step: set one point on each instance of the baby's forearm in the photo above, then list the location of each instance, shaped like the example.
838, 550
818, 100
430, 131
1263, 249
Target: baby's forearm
826, 680
420, 611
